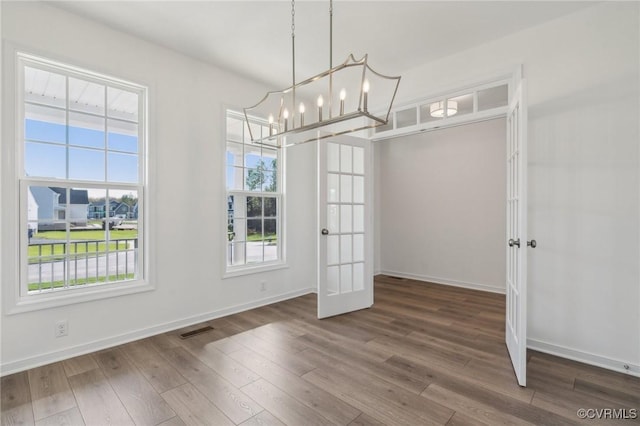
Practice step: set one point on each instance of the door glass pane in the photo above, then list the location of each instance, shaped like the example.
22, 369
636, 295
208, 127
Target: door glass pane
333, 250
493, 97
358, 160
346, 188
358, 189
346, 278
345, 219
346, 165
358, 218
358, 276
333, 279
333, 220
333, 157
88, 164
346, 252
333, 190
358, 247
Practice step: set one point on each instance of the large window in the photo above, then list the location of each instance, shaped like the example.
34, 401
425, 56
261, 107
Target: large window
81, 179
254, 198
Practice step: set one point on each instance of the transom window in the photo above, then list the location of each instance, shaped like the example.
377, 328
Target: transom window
254, 197
81, 180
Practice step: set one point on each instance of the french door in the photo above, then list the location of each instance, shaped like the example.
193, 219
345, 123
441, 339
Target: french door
516, 286
345, 249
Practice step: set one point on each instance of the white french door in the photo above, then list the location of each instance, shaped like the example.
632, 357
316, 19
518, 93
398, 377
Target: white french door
345, 249
516, 286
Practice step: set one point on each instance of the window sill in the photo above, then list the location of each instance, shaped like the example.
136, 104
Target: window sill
247, 270
70, 297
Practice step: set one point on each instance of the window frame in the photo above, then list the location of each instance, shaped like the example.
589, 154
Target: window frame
24, 300
255, 267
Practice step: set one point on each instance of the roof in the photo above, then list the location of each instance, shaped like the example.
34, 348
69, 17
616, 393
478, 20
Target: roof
78, 196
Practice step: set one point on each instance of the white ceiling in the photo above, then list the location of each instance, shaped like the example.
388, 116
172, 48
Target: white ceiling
253, 38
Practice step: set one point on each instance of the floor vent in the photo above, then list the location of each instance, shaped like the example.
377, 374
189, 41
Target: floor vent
195, 332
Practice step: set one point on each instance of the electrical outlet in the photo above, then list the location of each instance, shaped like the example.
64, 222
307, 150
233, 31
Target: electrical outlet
263, 286
61, 328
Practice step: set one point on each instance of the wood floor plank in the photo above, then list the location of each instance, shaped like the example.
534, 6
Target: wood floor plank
330, 407
234, 403
173, 421
264, 418
614, 395
283, 406
193, 408
153, 367
141, 400
98, 403
459, 419
71, 417
79, 364
15, 408
50, 391
365, 420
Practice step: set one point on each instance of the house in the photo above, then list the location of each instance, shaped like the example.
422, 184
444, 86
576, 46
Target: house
580, 61
51, 206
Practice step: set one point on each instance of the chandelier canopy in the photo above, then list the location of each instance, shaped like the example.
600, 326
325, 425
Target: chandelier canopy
346, 98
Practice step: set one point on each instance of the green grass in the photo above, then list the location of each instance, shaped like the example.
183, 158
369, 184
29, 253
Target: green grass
56, 249
259, 237
82, 281
88, 235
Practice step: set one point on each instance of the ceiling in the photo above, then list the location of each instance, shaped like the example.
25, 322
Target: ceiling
253, 38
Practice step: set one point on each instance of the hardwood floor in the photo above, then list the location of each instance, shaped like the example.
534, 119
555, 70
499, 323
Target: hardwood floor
424, 354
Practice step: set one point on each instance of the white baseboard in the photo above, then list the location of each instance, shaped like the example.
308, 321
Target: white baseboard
445, 281
48, 358
584, 357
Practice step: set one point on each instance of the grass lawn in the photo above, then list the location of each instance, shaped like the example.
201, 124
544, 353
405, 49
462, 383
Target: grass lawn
81, 281
259, 237
98, 234
57, 248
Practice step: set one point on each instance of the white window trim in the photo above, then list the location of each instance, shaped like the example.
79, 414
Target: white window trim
17, 300
253, 268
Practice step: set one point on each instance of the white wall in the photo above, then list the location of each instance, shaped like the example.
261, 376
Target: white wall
442, 196
186, 149
582, 73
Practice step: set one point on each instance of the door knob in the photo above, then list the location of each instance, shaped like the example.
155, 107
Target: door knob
325, 231
532, 243
513, 242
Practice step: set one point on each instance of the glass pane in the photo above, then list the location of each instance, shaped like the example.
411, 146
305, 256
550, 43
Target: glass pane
86, 96
358, 276
234, 129
333, 190
406, 118
358, 160
122, 168
270, 206
255, 252
122, 136
270, 182
44, 124
346, 188
346, 162
460, 105
358, 189
254, 229
358, 247
432, 111
333, 220
252, 157
346, 279
493, 97
45, 87
234, 154
45, 160
253, 179
270, 229
358, 218
46, 273
122, 104
236, 254
86, 130
333, 250
254, 206
333, 279
86, 164
235, 177
270, 159
346, 251
345, 219
236, 230
271, 250
333, 157
256, 130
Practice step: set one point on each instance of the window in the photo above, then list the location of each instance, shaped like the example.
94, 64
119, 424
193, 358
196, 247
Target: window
82, 138
254, 198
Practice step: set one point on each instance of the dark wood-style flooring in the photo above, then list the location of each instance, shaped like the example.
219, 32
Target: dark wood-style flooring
424, 354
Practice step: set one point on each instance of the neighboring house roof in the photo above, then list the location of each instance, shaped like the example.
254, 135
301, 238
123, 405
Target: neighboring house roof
78, 196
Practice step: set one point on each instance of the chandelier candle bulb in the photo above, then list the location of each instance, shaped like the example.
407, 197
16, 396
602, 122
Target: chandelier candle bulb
270, 124
365, 90
343, 95
285, 115
301, 114
320, 103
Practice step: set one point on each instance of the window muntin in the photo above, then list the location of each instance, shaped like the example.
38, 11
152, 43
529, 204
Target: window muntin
254, 198
82, 178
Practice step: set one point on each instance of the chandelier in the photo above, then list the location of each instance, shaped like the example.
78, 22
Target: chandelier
346, 98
